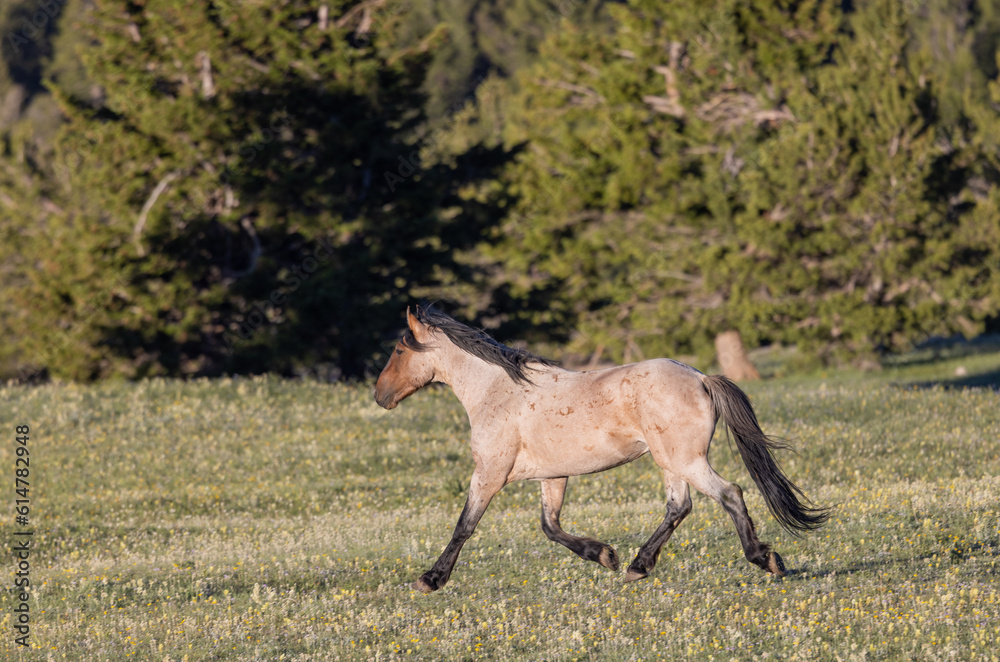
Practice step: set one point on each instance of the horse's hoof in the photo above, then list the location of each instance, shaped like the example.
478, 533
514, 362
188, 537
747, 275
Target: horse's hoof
633, 575
608, 558
775, 565
424, 586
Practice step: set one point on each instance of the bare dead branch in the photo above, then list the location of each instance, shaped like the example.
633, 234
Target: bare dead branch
572, 87
207, 84
158, 190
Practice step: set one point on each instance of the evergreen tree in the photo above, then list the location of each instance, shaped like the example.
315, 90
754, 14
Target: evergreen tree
875, 246
243, 188
751, 165
494, 37
246, 197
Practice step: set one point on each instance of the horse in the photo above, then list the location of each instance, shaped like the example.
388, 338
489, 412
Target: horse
533, 420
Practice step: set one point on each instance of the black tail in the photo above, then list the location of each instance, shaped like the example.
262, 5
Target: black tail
780, 494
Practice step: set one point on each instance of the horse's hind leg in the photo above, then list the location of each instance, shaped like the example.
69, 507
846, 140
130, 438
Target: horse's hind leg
730, 497
678, 506
553, 492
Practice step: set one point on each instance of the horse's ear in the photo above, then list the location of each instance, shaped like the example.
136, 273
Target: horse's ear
418, 328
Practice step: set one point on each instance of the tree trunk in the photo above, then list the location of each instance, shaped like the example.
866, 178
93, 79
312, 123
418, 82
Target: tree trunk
733, 359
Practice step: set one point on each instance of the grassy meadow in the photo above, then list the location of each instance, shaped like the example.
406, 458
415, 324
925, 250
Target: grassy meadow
261, 519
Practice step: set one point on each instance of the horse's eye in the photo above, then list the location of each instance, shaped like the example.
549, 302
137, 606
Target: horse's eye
399, 351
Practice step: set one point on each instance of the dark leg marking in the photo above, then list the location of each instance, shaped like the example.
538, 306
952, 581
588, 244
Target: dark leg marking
553, 493
678, 507
755, 551
481, 492
730, 497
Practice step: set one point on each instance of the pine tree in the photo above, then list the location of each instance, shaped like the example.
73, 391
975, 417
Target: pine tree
868, 241
247, 196
495, 37
625, 180
774, 168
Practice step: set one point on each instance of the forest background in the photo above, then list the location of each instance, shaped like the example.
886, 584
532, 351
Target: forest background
239, 186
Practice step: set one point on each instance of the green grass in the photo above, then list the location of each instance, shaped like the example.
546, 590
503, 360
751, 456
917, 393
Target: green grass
266, 520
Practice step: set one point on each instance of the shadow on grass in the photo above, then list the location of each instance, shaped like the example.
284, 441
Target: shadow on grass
989, 379
934, 350
953, 554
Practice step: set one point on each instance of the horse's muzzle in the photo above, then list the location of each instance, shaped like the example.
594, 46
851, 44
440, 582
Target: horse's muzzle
384, 401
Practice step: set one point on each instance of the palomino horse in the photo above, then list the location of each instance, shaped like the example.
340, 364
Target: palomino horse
532, 420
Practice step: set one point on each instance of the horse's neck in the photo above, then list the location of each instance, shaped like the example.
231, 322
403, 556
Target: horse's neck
473, 380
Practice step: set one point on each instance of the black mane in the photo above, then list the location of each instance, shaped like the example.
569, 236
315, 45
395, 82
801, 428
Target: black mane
473, 341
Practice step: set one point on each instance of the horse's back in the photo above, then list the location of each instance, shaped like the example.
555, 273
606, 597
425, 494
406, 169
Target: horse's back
618, 393
580, 422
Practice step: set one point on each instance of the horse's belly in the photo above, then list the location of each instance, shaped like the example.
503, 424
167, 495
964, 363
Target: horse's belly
554, 457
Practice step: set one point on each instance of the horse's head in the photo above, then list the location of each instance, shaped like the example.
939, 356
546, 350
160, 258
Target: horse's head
410, 365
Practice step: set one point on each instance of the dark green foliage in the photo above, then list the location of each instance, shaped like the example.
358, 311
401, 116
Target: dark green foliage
486, 37
245, 188
779, 169
219, 187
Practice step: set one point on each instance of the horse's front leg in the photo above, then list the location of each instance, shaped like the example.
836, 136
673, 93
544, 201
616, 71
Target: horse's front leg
481, 491
553, 493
